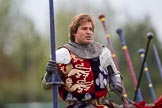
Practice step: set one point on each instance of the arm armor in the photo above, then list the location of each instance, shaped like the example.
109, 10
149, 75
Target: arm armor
115, 77
107, 62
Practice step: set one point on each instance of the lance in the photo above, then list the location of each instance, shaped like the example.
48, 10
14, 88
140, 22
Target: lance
157, 60
55, 79
129, 62
107, 35
149, 36
146, 70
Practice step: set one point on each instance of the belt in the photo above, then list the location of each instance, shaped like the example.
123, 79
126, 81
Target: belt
100, 101
71, 102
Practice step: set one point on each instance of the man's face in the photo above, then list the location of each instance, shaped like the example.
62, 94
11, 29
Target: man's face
84, 33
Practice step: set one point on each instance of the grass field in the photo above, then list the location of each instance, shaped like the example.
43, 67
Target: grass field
33, 105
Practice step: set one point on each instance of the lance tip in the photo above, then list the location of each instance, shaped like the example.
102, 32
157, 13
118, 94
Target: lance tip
119, 31
141, 51
150, 35
101, 16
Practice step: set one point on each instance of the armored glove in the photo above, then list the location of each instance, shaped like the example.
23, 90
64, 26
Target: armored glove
51, 66
116, 83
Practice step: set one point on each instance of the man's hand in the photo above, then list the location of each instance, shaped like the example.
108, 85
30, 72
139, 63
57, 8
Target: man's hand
116, 83
51, 66
118, 88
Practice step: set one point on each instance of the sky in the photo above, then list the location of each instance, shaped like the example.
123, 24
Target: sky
38, 10
139, 8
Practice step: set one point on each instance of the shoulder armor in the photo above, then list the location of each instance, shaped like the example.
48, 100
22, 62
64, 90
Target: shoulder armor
105, 57
63, 56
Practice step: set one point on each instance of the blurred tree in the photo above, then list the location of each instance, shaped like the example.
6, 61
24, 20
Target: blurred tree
21, 56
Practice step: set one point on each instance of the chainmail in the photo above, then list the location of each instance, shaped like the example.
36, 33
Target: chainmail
85, 51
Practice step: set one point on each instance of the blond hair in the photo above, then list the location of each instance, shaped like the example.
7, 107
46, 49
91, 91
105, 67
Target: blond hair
76, 22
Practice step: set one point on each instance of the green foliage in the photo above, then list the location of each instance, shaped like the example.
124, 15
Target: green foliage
21, 56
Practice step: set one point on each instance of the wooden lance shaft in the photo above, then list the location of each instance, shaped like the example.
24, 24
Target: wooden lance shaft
149, 36
146, 70
110, 46
129, 62
55, 80
157, 60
